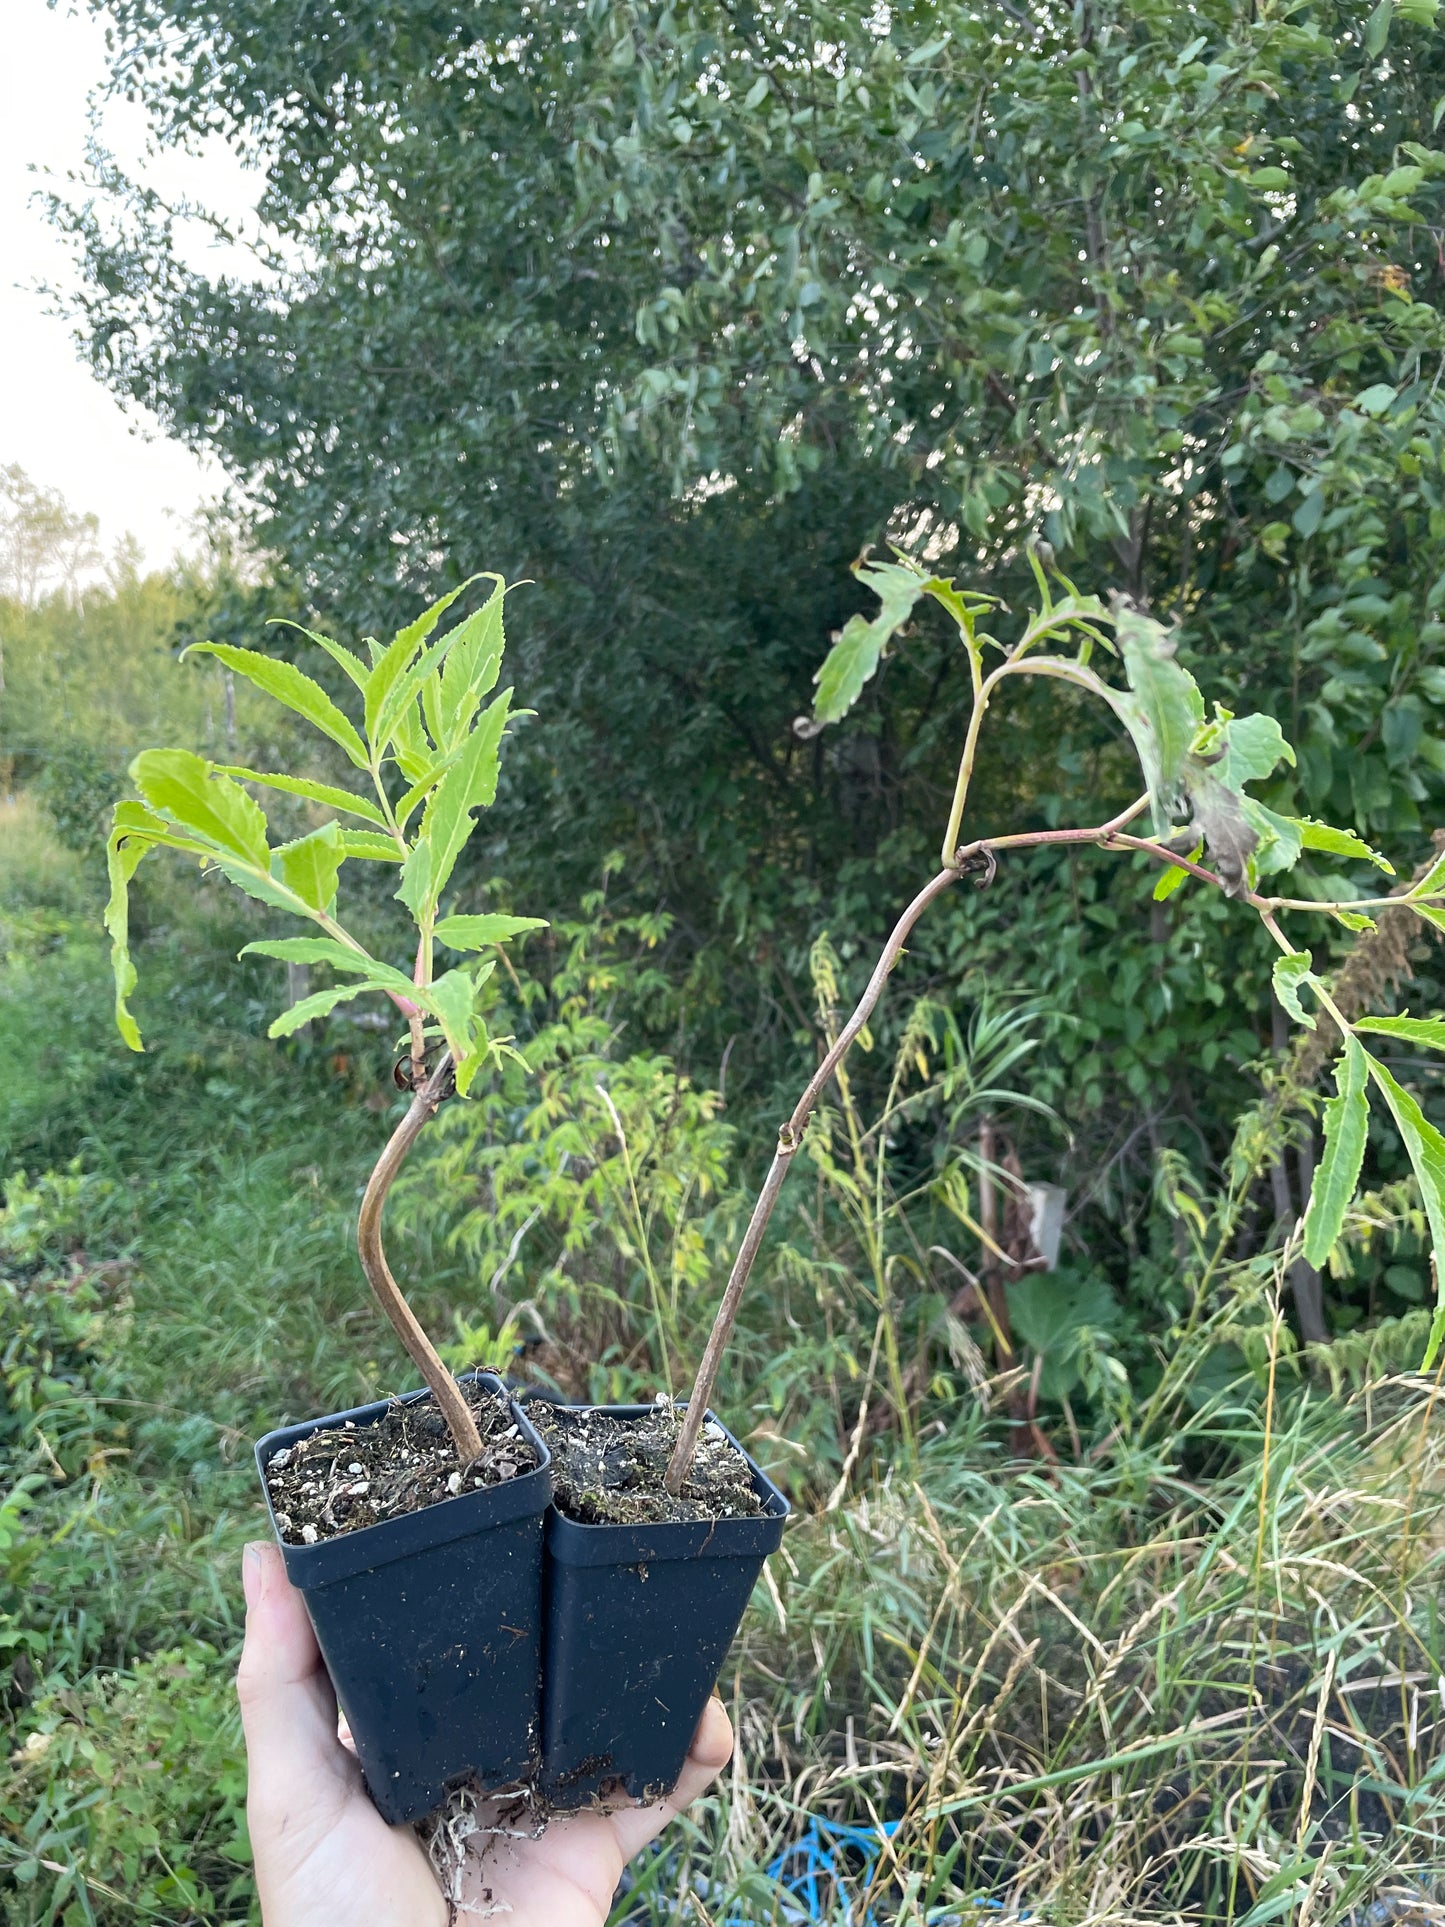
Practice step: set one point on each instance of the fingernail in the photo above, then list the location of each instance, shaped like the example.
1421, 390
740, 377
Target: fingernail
253, 1574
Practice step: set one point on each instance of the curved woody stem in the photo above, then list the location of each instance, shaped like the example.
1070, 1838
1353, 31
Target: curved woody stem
790, 1135
452, 1405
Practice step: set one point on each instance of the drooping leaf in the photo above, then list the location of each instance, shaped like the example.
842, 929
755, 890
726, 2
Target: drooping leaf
318, 1004
1245, 839
476, 933
1162, 713
470, 784
1426, 1148
1428, 1032
309, 866
1229, 835
859, 645
184, 787
1347, 1119
124, 850
291, 686
327, 793
1292, 970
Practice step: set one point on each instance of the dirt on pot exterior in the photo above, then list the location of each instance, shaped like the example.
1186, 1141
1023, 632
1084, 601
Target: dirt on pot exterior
609, 1470
342, 1479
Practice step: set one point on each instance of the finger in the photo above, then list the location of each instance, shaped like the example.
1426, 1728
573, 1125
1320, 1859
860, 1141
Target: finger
711, 1749
288, 1709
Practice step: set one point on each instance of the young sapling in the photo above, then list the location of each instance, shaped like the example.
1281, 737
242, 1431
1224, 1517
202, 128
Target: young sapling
426, 752
1197, 770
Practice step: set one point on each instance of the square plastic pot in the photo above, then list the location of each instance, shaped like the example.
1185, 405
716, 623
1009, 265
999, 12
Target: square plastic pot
431, 1627
639, 1622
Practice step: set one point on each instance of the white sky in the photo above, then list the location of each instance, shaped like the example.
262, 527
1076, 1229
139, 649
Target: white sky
56, 420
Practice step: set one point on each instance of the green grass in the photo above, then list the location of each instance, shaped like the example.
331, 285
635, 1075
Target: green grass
1188, 1673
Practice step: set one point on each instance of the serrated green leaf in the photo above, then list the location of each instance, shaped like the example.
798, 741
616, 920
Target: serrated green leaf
1426, 1031
428, 778
309, 950
261, 885
1291, 971
1347, 1121
327, 950
352, 664
1426, 1148
371, 845
391, 663
470, 672
294, 688
1377, 28
469, 785
1169, 882
327, 793
184, 787
1323, 836
417, 681
452, 999
318, 1004
1353, 919
859, 646
310, 865
411, 747
476, 933
1163, 712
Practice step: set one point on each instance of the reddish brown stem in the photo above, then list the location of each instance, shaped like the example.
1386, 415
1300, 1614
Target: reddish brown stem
452, 1405
790, 1136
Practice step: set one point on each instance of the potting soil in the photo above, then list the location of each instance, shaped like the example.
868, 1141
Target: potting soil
609, 1470
357, 1475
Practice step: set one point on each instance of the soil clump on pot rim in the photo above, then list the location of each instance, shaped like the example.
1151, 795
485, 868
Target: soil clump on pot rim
346, 1477
610, 1471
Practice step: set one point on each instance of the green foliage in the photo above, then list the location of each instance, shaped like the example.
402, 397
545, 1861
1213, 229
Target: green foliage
421, 722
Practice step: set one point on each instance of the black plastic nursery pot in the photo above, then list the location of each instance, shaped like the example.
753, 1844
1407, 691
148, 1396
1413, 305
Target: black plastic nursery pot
639, 1622
430, 1625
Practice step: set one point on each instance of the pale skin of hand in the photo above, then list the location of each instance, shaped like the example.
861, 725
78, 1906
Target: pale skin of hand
323, 1853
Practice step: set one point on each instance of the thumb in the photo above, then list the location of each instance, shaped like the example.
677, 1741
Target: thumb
288, 1709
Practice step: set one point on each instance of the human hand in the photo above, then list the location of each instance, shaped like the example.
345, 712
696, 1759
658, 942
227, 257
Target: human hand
324, 1854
